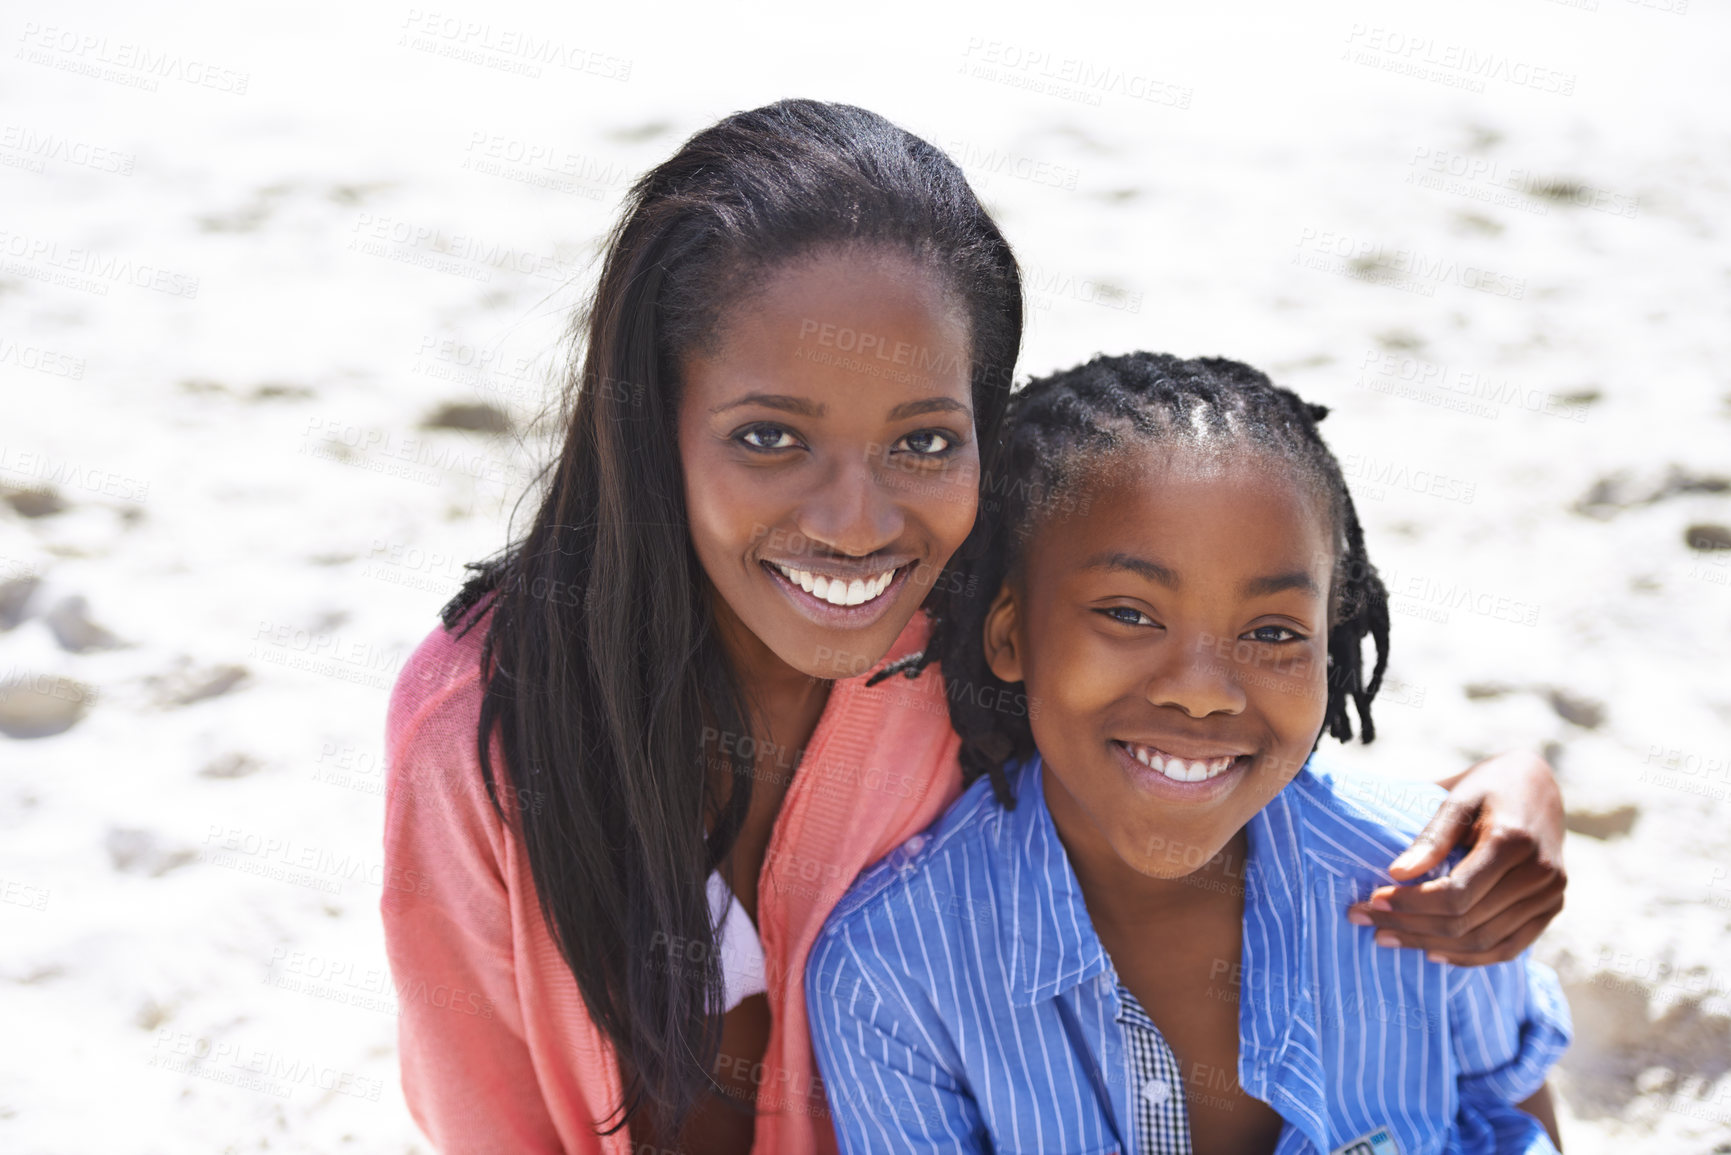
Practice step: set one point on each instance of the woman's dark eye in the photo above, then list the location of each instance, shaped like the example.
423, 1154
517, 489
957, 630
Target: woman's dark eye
1261, 634
1136, 617
772, 437
921, 442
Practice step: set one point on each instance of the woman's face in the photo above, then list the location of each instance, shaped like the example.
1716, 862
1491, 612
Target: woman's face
830, 463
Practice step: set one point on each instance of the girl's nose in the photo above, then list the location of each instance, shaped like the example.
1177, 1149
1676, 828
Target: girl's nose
854, 510
1194, 678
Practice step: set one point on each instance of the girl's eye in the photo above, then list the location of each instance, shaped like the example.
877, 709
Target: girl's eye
1135, 616
1264, 634
921, 442
767, 438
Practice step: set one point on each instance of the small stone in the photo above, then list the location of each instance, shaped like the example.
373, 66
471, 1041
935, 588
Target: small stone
1706, 537
42, 705
73, 629
152, 1015
43, 502
232, 765
475, 417
135, 851
1602, 824
1479, 691
15, 599
186, 685
281, 391
1583, 712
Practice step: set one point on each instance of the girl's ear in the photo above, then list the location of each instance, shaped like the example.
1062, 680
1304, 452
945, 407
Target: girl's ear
1000, 634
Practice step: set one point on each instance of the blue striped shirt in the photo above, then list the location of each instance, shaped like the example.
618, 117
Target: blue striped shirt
934, 992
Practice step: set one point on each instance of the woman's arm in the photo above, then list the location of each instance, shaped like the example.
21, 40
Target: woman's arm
1506, 890
467, 1074
1540, 1107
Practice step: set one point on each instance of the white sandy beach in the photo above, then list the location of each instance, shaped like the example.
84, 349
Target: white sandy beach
248, 252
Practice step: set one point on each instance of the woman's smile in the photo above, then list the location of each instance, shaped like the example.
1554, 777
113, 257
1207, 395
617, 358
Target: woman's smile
840, 600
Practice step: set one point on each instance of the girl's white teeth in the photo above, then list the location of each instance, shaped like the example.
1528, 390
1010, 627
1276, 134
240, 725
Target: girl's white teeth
1178, 769
836, 591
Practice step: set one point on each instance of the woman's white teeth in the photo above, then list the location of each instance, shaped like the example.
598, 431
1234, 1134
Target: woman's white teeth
1178, 769
838, 591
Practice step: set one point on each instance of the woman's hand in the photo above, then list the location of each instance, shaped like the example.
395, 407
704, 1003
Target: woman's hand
1498, 898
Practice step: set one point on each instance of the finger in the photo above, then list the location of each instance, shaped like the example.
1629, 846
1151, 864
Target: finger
1447, 827
1415, 917
1493, 855
1499, 940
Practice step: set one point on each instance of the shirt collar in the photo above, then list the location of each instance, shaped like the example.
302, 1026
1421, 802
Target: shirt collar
1049, 938
1044, 925
1279, 1062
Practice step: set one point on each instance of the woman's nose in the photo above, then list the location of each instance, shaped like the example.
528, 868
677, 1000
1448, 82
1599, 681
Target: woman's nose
854, 510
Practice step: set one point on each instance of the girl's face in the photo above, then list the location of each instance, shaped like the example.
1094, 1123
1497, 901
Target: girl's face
830, 463
1172, 632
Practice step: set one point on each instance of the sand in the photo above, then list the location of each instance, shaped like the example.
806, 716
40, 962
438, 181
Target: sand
250, 256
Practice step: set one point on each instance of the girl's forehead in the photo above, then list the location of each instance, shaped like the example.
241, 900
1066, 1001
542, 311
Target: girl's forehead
1160, 490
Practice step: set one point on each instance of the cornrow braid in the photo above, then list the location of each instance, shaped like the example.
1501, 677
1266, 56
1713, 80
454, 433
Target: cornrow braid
1059, 431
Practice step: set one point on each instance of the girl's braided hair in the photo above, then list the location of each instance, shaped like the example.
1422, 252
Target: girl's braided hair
1059, 432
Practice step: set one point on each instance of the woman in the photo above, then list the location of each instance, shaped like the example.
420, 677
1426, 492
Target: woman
804, 329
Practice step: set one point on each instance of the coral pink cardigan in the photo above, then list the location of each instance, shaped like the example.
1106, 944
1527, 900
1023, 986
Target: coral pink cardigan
498, 1052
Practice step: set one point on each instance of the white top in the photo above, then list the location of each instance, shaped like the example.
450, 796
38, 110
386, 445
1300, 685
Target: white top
741, 950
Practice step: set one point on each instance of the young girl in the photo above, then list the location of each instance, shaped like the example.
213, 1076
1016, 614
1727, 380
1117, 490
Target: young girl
1125, 936
640, 755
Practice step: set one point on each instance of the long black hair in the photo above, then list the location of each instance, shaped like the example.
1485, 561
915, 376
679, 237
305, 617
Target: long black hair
1059, 430
602, 662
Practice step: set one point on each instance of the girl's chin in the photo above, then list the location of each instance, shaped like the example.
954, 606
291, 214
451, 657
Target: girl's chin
1168, 858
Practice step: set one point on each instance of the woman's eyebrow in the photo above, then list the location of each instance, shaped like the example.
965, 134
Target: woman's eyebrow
804, 408
780, 401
